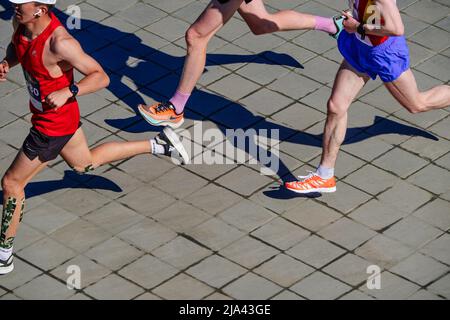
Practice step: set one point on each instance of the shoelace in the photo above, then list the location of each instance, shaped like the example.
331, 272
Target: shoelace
164, 106
310, 175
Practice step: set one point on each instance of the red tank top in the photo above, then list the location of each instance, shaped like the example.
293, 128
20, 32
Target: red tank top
364, 9
51, 122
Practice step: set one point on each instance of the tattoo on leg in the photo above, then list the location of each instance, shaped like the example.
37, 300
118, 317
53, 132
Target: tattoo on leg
8, 213
22, 207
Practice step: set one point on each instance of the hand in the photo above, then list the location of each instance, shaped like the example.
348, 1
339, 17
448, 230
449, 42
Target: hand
350, 23
4, 69
58, 98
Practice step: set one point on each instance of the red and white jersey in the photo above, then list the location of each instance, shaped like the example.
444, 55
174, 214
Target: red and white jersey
364, 10
51, 122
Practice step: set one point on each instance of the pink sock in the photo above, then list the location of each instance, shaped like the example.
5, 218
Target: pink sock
325, 24
179, 101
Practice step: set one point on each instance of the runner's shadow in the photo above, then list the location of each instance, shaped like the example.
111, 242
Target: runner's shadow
71, 180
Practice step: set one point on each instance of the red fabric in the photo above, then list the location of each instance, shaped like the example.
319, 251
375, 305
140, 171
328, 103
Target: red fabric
51, 122
362, 8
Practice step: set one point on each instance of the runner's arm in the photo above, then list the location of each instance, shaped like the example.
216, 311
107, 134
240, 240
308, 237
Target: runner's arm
69, 50
393, 24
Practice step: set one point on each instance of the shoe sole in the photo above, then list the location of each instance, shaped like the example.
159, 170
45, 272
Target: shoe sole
320, 190
175, 141
8, 269
153, 122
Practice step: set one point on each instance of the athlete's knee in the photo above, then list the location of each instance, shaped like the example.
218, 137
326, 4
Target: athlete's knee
194, 37
336, 107
11, 185
83, 170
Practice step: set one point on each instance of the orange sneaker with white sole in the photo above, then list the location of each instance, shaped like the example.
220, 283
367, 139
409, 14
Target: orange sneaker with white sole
312, 183
161, 114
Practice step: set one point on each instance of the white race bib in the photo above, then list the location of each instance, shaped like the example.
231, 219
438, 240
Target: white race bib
34, 90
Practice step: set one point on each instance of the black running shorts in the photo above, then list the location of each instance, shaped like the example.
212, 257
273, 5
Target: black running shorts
42, 146
225, 1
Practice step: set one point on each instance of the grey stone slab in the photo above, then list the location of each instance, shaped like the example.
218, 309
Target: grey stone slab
251, 287
432, 178
262, 71
287, 295
148, 271
179, 182
44, 288
147, 235
413, 232
392, 288
371, 179
26, 235
356, 295
216, 271
312, 215
181, 217
433, 38
281, 233
247, 216
181, 253
124, 181
233, 87
139, 199
294, 86
80, 235
114, 287
23, 273
428, 11
405, 197
435, 213
48, 218
424, 149
215, 234
350, 269
319, 286
321, 70
439, 249
46, 254
248, 252
183, 287
284, 270
266, 102
148, 296
90, 272
424, 295
383, 251
347, 233
299, 116
114, 217
420, 269
213, 199
315, 251
408, 165
244, 180
367, 149
441, 287
377, 215
440, 128
123, 253
354, 198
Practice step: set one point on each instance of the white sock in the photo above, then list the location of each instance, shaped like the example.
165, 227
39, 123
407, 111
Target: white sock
5, 253
156, 148
325, 173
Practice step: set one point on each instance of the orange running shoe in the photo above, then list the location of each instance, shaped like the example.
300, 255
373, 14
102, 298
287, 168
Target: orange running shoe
312, 183
161, 114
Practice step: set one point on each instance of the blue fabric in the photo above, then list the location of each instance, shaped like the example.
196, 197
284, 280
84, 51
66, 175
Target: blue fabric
387, 60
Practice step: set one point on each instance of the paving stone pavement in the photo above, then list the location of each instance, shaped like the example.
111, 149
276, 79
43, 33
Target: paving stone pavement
147, 229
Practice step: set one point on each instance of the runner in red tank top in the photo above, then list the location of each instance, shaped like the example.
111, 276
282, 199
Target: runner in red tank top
48, 54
